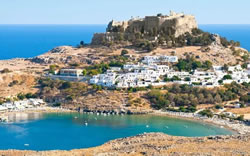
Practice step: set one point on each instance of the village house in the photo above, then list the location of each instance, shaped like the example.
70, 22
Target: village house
22, 104
71, 72
151, 72
159, 59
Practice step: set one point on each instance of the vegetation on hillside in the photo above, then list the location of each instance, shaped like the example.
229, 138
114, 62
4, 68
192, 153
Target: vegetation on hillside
66, 90
150, 40
190, 63
115, 61
184, 95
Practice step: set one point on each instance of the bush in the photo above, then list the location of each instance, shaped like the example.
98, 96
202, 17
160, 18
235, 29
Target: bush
190, 63
53, 68
15, 82
5, 70
21, 96
30, 95
58, 104
240, 118
206, 112
227, 77
218, 107
124, 52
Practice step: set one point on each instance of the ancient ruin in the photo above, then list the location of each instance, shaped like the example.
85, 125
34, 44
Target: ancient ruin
150, 27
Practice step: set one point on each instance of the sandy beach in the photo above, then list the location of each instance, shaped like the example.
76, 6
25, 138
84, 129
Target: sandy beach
237, 126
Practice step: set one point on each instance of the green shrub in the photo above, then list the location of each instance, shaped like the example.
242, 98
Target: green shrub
206, 112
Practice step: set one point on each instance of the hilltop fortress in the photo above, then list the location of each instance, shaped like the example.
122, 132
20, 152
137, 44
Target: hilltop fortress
174, 24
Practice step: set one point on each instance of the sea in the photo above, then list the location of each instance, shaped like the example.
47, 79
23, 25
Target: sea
66, 131
31, 40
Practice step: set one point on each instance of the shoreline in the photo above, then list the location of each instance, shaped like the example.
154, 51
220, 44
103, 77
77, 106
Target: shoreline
44, 109
186, 116
236, 126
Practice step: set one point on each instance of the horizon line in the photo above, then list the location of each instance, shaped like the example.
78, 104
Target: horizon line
107, 24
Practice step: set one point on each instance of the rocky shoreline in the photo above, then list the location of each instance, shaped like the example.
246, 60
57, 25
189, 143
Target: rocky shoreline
114, 112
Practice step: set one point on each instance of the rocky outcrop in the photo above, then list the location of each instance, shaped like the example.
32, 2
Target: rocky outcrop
106, 102
174, 24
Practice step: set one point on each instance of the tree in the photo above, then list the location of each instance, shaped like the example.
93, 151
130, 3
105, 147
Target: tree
227, 77
187, 79
66, 85
206, 112
21, 96
124, 52
53, 68
245, 57
201, 98
84, 72
30, 95
218, 107
240, 118
207, 65
217, 98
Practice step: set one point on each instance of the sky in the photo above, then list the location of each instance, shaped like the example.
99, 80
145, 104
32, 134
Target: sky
102, 11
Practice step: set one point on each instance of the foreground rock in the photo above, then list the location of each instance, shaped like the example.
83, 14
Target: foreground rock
157, 144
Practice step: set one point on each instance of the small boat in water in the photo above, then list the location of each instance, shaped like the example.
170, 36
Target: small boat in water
26, 144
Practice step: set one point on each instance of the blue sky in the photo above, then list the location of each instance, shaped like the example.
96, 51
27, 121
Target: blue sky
102, 11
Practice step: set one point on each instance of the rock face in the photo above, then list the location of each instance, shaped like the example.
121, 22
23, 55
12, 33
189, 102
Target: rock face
174, 24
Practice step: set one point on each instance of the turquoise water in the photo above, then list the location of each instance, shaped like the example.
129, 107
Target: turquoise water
32, 40
67, 131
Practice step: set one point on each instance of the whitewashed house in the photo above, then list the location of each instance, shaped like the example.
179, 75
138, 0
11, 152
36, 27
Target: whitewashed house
235, 68
159, 59
2, 108
71, 72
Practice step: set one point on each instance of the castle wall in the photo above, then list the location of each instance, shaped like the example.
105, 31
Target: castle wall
185, 24
135, 26
180, 23
151, 22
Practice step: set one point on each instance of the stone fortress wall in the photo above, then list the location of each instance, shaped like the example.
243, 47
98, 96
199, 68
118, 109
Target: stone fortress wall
179, 22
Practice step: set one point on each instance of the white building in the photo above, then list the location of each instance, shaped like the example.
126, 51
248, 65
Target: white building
2, 108
71, 72
158, 59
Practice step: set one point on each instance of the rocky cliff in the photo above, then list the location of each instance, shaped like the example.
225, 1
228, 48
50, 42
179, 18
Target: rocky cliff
174, 24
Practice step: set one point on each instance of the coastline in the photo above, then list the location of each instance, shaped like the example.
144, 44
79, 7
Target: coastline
238, 127
120, 145
44, 109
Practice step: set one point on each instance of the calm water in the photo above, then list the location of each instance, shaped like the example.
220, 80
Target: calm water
68, 130
32, 40
232, 32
